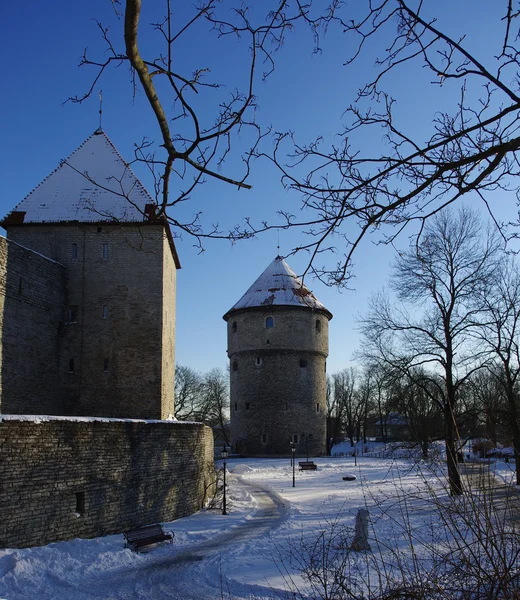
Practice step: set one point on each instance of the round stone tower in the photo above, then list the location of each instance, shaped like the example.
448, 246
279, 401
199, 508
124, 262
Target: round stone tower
278, 343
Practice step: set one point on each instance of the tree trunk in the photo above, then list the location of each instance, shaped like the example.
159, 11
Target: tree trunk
454, 479
515, 429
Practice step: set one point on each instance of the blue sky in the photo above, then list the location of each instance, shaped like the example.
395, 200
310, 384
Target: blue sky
307, 93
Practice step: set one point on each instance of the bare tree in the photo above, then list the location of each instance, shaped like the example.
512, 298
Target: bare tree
423, 414
490, 404
501, 332
188, 393
440, 278
469, 147
348, 193
216, 401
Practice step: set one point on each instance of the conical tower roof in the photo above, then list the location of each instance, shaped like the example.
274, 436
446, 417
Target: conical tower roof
278, 285
94, 184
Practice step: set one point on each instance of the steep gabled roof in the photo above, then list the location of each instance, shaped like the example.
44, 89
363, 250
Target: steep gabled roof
278, 285
94, 184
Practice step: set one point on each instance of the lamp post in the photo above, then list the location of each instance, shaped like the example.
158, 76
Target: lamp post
224, 455
293, 451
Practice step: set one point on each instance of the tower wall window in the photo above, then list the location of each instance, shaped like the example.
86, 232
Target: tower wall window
248, 405
235, 365
105, 311
318, 325
105, 365
105, 251
74, 252
264, 438
269, 323
234, 327
258, 361
71, 314
303, 363
80, 503
71, 365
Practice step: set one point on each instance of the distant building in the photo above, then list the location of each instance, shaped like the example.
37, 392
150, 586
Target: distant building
102, 341
277, 346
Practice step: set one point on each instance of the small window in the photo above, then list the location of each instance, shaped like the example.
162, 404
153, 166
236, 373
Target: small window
105, 365
258, 361
99, 230
269, 323
71, 314
286, 406
74, 251
318, 325
248, 405
80, 504
105, 311
264, 438
71, 365
295, 438
303, 362
105, 251
317, 408
234, 327
325, 367
235, 365
236, 406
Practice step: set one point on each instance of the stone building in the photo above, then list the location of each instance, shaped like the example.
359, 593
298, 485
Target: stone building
112, 352
87, 350
277, 346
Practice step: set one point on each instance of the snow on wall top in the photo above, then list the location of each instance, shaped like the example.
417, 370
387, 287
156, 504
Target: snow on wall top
278, 285
93, 184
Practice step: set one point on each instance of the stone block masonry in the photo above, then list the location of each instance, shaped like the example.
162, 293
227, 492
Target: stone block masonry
32, 300
63, 478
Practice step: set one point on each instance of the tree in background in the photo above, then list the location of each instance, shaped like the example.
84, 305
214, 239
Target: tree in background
440, 279
422, 414
500, 331
203, 398
188, 393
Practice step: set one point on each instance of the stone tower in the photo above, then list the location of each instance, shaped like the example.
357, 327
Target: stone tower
113, 338
277, 347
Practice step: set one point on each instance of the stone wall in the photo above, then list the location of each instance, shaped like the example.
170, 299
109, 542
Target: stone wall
278, 381
32, 302
65, 478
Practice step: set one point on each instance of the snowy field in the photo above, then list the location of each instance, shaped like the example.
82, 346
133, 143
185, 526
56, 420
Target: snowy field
311, 530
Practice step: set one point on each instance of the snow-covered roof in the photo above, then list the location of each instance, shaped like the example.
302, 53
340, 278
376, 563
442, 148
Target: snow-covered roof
94, 184
278, 285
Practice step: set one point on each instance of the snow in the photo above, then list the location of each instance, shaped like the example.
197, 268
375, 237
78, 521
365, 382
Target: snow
278, 285
47, 418
261, 566
94, 184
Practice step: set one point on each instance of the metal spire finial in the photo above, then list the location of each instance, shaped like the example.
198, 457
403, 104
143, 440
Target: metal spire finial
100, 108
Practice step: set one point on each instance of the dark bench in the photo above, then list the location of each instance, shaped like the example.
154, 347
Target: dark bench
147, 535
307, 466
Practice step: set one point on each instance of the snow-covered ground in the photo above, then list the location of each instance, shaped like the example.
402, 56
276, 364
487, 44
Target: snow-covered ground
318, 513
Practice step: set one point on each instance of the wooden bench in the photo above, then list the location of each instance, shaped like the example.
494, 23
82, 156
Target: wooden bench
147, 535
307, 466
